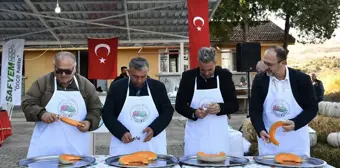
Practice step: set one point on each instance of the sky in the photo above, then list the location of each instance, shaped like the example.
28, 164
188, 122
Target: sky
281, 23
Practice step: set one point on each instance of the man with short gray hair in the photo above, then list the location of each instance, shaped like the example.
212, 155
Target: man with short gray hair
206, 96
61, 93
136, 111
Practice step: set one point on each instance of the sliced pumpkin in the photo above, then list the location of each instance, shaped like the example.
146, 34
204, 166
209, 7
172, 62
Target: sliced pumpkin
220, 157
68, 159
272, 132
151, 156
288, 159
133, 160
70, 121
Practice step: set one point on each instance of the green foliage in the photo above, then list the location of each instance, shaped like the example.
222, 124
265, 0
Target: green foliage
316, 20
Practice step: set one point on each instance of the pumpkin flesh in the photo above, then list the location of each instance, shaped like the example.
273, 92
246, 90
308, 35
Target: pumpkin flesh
288, 159
141, 158
272, 132
70, 121
220, 157
151, 156
68, 159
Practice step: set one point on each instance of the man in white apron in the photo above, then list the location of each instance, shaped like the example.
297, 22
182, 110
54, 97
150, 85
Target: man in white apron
205, 96
52, 136
282, 94
137, 111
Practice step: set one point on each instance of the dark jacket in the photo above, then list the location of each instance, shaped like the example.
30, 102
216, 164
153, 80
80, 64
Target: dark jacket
303, 92
319, 90
186, 91
115, 100
41, 91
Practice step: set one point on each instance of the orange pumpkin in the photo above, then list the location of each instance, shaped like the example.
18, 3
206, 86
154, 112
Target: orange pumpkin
288, 159
68, 159
272, 132
133, 160
220, 157
151, 156
70, 121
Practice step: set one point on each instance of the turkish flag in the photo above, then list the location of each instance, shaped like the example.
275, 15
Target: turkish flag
198, 22
102, 58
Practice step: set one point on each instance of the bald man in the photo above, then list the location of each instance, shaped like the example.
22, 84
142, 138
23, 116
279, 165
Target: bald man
284, 94
61, 93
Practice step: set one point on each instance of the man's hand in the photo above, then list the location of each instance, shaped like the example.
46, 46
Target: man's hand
289, 126
265, 137
127, 138
85, 125
200, 113
213, 108
48, 117
149, 135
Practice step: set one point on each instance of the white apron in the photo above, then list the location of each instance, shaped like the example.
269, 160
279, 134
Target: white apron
138, 113
209, 135
58, 137
281, 105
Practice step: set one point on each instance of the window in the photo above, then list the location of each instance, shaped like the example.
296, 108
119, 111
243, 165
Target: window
229, 60
168, 61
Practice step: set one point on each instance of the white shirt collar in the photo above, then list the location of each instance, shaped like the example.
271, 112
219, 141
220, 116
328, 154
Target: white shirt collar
286, 78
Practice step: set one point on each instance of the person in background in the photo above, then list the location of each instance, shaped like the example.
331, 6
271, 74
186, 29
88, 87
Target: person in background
136, 112
63, 93
318, 86
206, 95
261, 67
282, 94
123, 73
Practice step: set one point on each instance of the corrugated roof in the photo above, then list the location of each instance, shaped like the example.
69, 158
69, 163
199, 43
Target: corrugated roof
130, 20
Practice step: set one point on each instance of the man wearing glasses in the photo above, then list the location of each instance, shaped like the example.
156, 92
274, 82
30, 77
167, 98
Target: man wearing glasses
282, 94
61, 93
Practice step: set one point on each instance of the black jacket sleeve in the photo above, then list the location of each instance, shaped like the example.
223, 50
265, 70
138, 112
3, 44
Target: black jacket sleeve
165, 111
256, 105
308, 101
184, 96
116, 128
228, 92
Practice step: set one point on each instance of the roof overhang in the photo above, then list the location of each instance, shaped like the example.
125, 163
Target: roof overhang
134, 22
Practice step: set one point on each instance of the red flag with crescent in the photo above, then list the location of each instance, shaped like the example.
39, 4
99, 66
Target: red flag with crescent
102, 58
199, 34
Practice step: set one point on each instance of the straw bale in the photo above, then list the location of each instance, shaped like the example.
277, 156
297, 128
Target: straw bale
248, 131
324, 125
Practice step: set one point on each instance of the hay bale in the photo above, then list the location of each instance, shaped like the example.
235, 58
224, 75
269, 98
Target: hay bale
324, 126
326, 153
249, 131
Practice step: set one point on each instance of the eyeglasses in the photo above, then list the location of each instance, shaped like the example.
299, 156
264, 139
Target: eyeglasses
270, 64
66, 71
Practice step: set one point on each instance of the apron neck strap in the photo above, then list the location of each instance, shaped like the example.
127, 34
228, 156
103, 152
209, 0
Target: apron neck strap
56, 86
128, 89
217, 80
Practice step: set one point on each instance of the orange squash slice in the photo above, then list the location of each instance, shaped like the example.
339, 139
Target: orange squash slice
70, 121
288, 159
151, 156
68, 159
220, 157
133, 160
272, 132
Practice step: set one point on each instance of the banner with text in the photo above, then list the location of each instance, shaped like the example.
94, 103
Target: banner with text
11, 72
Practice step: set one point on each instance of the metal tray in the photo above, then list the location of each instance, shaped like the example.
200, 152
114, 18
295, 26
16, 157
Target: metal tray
161, 161
307, 161
53, 162
230, 161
